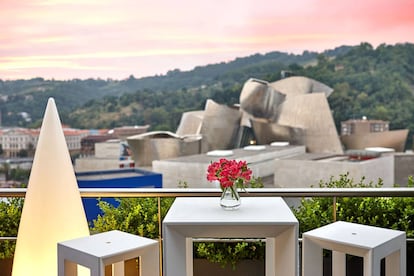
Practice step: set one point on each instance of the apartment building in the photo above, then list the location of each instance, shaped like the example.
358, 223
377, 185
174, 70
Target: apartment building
16, 142
21, 142
74, 137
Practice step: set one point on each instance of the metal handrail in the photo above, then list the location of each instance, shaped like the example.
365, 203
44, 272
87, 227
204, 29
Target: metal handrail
203, 192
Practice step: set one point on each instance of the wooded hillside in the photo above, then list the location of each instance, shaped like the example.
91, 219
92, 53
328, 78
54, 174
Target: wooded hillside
373, 82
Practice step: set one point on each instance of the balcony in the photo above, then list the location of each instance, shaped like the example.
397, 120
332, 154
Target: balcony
290, 195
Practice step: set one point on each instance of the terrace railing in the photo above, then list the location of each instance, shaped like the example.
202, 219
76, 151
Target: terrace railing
207, 192
158, 193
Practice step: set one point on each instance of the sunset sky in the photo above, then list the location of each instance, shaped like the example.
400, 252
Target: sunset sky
67, 39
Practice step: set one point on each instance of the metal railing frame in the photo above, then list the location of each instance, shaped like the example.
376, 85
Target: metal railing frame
216, 192
268, 192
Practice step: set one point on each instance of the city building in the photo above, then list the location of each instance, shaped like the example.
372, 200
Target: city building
364, 133
191, 169
21, 142
309, 169
126, 131
18, 142
73, 138
110, 154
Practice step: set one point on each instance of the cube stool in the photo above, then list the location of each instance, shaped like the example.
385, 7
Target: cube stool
113, 247
371, 243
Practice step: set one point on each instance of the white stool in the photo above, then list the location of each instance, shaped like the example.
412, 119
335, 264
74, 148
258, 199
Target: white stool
113, 247
371, 243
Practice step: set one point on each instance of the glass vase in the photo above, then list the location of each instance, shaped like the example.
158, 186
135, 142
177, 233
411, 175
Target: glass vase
230, 198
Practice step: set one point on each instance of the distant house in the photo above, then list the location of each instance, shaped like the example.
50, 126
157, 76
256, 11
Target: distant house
364, 133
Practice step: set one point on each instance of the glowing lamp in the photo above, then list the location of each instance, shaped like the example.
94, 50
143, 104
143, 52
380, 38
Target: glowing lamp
52, 211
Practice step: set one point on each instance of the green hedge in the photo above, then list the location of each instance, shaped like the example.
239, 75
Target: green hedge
137, 216
10, 213
388, 212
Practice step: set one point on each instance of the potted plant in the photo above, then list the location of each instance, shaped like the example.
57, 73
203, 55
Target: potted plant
229, 258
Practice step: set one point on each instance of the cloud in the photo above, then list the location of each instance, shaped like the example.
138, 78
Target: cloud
97, 34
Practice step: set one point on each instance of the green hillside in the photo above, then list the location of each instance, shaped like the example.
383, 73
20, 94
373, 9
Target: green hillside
373, 82
30, 96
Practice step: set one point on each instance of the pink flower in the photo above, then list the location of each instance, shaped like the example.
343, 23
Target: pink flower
229, 173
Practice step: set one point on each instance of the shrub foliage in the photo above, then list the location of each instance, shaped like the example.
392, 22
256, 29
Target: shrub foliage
388, 212
137, 216
10, 213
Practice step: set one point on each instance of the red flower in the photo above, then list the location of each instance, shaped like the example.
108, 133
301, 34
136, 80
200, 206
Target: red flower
229, 173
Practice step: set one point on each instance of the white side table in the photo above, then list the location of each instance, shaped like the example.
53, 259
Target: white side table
113, 247
258, 217
371, 243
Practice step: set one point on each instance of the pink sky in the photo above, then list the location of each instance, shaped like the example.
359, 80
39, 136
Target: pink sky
66, 39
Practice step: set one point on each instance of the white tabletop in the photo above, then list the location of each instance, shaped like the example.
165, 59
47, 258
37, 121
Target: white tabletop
207, 210
347, 233
108, 243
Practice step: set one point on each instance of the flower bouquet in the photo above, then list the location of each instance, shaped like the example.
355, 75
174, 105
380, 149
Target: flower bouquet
232, 175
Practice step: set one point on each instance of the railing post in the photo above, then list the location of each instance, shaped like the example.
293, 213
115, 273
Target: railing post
334, 209
160, 231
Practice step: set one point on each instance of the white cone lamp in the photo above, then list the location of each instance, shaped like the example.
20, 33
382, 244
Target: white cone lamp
52, 210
